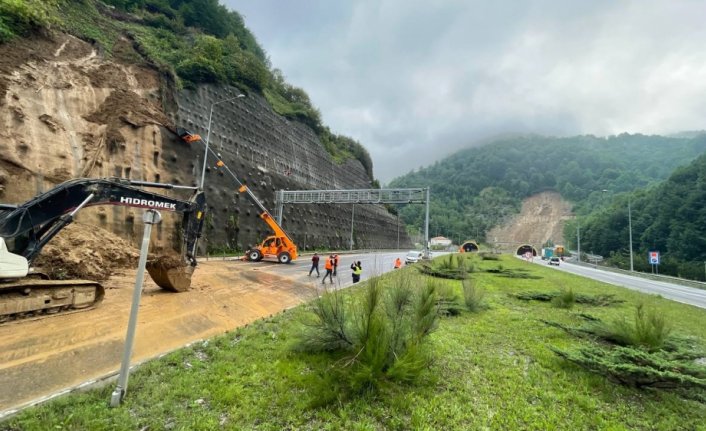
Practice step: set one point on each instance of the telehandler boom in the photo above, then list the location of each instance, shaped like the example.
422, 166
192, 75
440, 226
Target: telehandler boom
278, 246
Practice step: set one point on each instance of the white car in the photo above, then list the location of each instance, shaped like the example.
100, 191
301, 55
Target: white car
554, 261
413, 256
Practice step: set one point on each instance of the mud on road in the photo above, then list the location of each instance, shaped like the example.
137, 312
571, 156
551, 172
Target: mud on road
42, 357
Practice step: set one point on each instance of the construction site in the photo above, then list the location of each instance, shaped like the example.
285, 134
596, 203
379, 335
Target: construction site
88, 144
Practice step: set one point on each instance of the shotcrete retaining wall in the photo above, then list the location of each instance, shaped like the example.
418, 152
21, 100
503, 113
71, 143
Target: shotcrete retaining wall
269, 153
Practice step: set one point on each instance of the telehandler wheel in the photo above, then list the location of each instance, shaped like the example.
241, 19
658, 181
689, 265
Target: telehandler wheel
254, 255
284, 257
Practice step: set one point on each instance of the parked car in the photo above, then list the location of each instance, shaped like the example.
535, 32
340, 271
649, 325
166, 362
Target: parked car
554, 261
413, 256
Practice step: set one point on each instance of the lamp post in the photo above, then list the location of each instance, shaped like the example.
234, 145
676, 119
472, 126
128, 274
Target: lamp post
578, 240
630, 232
632, 267
208, 136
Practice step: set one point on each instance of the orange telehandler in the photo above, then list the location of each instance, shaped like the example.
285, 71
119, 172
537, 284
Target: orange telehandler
278, 246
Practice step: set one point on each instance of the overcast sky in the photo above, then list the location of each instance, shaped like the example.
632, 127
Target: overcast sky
414, 81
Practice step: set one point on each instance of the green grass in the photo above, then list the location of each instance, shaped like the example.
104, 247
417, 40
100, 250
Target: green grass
491, 369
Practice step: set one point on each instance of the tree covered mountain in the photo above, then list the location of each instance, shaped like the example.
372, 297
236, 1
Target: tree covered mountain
669, 217
478, 188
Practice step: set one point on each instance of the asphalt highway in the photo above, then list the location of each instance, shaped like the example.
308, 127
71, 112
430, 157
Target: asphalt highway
675, 292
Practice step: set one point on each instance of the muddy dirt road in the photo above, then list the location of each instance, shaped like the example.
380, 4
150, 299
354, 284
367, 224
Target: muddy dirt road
42, 357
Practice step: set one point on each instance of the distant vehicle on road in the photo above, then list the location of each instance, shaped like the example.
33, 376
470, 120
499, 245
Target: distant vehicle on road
547, 253
413, 256
554, 261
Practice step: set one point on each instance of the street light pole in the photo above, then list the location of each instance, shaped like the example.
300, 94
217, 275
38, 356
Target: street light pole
630, 233
208, 136
578, 240
352, 217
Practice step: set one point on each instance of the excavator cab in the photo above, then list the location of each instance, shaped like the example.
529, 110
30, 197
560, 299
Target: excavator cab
11, 265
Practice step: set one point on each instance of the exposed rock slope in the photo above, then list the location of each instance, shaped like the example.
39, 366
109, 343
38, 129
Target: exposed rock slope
68, 111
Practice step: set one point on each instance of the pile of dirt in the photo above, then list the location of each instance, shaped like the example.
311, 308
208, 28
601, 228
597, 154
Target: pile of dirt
85, 251
125, 107
167, 262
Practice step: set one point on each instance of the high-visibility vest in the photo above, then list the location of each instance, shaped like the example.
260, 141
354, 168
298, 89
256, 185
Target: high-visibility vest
329, 263
358, 270
398, 263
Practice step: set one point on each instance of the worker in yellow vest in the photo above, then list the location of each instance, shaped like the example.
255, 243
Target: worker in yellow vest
357, 271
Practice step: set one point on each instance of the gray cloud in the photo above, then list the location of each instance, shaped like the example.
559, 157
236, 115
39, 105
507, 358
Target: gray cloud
414, 80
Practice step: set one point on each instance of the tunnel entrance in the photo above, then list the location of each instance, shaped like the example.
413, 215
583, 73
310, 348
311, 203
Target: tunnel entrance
468, 247
521, 250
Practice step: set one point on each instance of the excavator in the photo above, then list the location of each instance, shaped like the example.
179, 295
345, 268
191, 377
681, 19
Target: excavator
26, 228
278, 246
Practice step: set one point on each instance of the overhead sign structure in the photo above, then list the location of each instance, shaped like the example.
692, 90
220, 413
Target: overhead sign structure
653, 257
359, 196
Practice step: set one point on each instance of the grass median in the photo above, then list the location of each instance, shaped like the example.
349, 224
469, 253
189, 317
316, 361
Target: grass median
493, 366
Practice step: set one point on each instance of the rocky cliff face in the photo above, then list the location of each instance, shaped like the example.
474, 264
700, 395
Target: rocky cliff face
68, 112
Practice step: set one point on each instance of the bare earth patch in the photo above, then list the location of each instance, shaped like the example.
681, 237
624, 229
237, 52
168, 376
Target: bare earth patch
541, 218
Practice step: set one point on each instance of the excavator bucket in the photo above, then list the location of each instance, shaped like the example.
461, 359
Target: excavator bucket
171, 273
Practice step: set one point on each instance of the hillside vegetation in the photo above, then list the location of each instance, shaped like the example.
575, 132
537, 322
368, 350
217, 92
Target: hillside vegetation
478, 188
190, 41
669, 217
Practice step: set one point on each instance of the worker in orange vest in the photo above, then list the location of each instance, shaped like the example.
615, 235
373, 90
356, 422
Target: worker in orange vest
398, 263
329, 269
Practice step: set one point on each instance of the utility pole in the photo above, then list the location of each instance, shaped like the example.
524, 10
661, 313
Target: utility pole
352, 217
426, 228
630, 233
208, 136
578, 240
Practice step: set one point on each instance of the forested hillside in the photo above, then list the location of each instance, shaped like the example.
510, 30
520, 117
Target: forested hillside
669, 217
189, 41
479, 187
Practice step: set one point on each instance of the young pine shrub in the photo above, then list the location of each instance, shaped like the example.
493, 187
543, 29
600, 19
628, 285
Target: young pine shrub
473, 296
648, 330
447, 264
565, 299
377, 337
466, 264
449, 301
328, 326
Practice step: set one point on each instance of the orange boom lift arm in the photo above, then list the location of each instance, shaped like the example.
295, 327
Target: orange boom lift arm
278, 246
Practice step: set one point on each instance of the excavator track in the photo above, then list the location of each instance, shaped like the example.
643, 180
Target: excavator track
31, 299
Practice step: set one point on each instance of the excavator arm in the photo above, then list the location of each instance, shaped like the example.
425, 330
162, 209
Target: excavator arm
26, 228
30, 226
